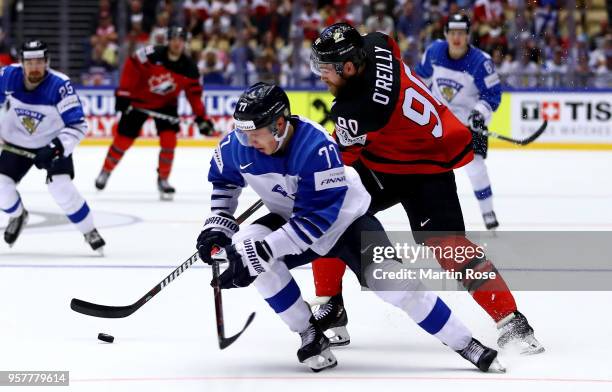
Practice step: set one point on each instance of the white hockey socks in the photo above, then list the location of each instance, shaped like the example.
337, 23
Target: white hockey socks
71, 202
10, 202
477, 172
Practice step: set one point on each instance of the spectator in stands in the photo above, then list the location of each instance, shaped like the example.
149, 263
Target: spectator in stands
211, 68
105, 32
160, 30
201, 9
380, 21
136, 38
275, 18
218, 24
309, 21
556, 69
337, 12
409, 22
240, 71
5, 51
524, 71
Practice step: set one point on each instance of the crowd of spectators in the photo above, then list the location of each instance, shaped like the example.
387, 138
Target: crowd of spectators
533, 43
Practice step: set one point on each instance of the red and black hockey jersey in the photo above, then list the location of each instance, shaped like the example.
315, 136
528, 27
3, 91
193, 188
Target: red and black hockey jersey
388, 118
151, 81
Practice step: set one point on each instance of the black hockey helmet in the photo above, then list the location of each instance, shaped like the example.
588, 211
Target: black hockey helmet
336, 45
457, 22
258, 107
177, 32
34, 49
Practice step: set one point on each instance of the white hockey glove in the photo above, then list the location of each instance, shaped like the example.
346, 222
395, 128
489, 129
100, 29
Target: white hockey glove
217, 232
246, 260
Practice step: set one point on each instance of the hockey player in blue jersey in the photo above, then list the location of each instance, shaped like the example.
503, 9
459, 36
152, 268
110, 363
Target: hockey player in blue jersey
317, 207
42, 115
464, 78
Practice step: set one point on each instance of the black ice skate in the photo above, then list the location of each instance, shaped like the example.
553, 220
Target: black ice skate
515, 330
315, 352
102, 179
490, 220
14, 228
483, 357
331, 317
95, 240
166, 191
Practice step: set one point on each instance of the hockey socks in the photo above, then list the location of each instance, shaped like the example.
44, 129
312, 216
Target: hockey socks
477, 172
493, 295
71, 202
115, 152
167, 142
328, 273
10, 202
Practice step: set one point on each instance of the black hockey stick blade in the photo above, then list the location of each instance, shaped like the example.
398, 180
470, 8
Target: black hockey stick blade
225, 342
102, 311
520, 142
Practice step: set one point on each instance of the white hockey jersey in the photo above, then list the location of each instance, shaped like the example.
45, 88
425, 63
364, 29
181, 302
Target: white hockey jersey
468, 83
31, 119
307, 184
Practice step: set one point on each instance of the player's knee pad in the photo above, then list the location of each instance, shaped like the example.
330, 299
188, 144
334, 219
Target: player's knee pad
7, 183
65, 194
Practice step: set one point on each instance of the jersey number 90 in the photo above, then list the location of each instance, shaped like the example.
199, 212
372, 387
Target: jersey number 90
419, 109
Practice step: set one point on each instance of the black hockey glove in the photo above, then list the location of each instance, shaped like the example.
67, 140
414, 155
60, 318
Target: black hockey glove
205, 126
121, 104
46, 155
476, 121
217, 232
246, 260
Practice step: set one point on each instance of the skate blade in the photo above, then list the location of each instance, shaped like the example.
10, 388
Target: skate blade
166, 196
497, 367
338, 336
530, 346
325, 360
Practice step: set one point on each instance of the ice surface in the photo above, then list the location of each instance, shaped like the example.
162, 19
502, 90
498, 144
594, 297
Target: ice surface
170, 343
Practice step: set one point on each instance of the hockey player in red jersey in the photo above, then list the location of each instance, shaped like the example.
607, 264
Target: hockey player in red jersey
151, 81
404, 144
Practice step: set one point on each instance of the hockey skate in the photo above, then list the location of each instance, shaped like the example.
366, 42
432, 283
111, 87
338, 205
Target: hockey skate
14, 228
483, 357
95, 240
315, 351
331, 317
102, 179
490, 220
166, 191
514, 330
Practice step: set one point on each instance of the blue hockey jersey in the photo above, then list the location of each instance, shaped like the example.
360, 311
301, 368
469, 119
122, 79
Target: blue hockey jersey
31, 119
468, 83
307, 184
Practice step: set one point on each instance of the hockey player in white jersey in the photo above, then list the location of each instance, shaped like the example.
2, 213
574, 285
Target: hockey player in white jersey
42, 115
464, 78
317, 207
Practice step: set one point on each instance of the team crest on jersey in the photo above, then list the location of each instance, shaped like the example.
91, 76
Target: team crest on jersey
29, 119
449, 88
162, 84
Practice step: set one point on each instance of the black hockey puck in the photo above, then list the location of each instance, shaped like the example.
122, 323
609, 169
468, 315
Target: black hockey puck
106, 337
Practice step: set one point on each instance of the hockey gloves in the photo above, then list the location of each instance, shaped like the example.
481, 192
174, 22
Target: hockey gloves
46, 155
205, 126
476, 121
217, 232
246, 260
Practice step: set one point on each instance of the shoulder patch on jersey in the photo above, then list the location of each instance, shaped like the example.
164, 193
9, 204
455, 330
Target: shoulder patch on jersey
69, 102
491, 80
142, 54
488, 66
346, 139
332, 178
29, 119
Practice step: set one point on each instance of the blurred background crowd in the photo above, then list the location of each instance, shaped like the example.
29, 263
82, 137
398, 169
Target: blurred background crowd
533, 43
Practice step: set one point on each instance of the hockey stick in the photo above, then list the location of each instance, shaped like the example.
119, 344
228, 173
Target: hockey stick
161, 116
520, 142
105, 311
17, 151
